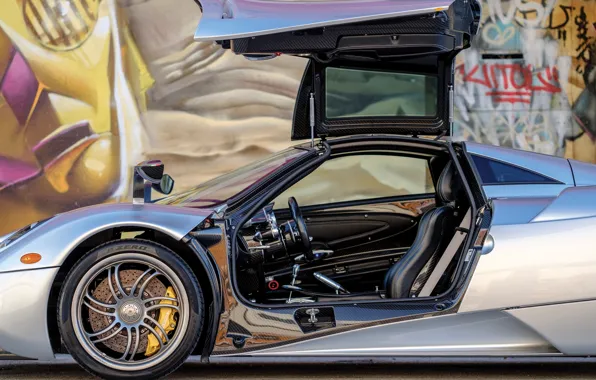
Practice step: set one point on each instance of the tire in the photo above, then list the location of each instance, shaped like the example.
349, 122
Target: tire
85, 289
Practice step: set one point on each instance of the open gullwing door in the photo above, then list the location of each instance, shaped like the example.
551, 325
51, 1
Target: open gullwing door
375, 66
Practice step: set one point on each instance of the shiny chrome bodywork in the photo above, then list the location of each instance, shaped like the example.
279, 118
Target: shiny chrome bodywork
568, 327
535, 263
24, 312
542, 237
583, 173
468, 334
25, 288
57, 237
524, 191
231, 19
572, 203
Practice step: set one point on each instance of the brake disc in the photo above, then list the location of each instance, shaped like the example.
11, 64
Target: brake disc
98, 322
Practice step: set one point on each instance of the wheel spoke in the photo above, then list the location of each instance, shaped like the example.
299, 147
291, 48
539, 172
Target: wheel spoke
160, 299
97, 310
136, 346
154, 333
142, 290
111, 285
163, 331
99, 303
138, 281
131, 278
109, 336
111, 326
118, 282
162, 305
128, 344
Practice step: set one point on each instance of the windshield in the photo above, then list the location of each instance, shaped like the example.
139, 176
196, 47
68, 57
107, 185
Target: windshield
234, 184
356, 93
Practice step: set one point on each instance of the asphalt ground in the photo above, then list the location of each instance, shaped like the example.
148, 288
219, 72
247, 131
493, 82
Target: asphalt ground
67, 370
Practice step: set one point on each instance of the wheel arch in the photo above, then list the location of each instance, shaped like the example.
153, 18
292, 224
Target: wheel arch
201, 267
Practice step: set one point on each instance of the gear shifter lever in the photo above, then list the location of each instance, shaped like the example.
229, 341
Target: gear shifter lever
330, 283
295, 270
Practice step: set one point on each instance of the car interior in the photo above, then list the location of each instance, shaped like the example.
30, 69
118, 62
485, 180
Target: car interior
365, 225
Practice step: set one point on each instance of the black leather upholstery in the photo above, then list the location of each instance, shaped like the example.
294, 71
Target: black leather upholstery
436, 228
448, 185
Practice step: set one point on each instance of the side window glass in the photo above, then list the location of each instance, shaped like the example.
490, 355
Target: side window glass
360, 177
494, 173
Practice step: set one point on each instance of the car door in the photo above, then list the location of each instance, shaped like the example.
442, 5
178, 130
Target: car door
374, 67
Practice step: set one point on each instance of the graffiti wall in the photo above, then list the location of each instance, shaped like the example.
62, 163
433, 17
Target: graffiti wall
88, 88
528, 81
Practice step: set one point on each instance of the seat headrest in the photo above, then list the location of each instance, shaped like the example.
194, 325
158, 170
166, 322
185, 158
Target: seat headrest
449, 184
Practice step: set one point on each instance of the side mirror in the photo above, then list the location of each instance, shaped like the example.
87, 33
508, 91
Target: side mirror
166, 185
150, 175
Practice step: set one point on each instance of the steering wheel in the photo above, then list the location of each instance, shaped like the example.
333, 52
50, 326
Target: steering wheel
301, 226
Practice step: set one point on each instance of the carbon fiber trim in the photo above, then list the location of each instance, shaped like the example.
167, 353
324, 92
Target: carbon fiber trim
325, 39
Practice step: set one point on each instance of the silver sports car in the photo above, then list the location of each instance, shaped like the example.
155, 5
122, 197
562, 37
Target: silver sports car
377, 237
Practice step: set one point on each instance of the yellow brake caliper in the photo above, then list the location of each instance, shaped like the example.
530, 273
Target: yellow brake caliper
166, 320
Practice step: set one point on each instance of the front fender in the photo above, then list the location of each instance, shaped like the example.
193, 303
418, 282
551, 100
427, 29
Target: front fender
55, 239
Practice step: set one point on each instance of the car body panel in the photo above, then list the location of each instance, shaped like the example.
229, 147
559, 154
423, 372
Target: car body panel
524, 191
568, 326
572, 203
534, 264
225, 19
59, 236
553, 167
517, 210
463, 334
23, 312
584, 173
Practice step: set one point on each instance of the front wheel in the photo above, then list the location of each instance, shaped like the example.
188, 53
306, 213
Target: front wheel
130, 309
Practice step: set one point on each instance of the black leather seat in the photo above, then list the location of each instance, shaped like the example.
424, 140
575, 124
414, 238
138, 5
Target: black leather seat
436, 228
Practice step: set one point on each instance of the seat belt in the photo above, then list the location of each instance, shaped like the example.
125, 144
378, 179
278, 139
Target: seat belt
450, 251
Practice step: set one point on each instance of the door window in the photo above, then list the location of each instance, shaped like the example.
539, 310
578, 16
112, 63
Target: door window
360, 177
499, 173
353, 93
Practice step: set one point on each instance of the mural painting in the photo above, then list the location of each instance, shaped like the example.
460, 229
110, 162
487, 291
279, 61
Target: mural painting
88, 88
528, 80
71, 88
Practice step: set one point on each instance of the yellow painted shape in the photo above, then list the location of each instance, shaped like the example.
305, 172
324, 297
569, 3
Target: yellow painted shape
56, 173
166, 320
5, 52
80, 73
143, 76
